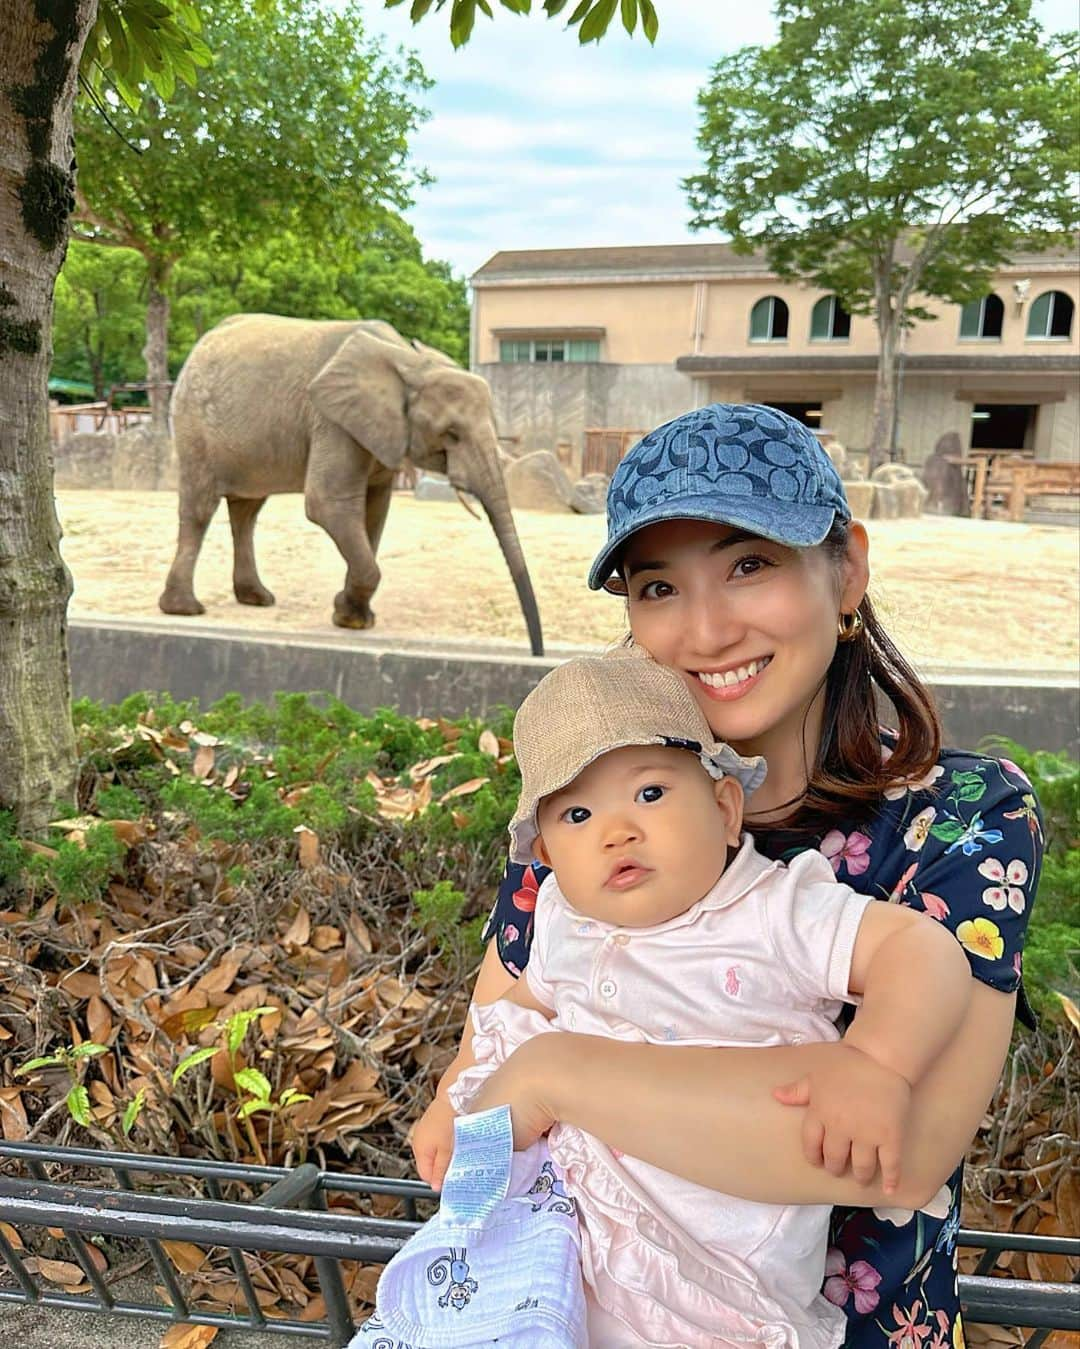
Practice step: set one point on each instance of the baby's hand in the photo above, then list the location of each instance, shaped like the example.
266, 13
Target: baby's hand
432, 1141
856, 1111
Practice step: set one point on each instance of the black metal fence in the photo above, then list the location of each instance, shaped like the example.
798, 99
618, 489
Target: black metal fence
291, 1213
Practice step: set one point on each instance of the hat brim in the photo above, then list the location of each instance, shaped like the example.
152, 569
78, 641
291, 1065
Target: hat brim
799, 526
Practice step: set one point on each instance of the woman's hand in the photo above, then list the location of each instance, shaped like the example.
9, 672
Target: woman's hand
521, 1083
856, 1111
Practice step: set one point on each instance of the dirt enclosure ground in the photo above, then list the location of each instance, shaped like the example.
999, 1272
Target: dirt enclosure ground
975, 593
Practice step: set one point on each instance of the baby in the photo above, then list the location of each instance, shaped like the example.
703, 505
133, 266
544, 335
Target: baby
661, 922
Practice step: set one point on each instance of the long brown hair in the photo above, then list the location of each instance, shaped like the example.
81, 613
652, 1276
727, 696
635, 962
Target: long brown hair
849, 775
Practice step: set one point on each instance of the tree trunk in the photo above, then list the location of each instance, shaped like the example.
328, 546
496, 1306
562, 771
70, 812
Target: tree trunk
881, 437
38, 71
156, 351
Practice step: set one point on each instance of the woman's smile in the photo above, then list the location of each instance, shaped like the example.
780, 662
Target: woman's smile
734, 682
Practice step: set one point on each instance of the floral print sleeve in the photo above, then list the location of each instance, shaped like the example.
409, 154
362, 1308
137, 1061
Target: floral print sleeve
973, 851
511, 919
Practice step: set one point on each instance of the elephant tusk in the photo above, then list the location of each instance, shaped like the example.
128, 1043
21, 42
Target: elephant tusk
465, 502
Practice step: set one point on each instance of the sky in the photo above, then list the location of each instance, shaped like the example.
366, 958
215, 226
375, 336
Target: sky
535, 142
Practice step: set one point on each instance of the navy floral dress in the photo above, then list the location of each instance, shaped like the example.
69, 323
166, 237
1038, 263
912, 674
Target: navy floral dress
965, 845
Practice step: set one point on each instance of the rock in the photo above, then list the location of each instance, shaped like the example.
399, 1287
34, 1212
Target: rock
144, 459
860, 495
946, 485
590, 494
538, 482
886, 502
430, 487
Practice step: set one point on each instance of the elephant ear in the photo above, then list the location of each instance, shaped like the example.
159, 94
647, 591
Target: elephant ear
364, 389
434, 354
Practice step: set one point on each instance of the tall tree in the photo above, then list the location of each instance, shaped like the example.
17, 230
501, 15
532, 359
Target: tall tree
299, 121
99, 317
131, 42
889, 150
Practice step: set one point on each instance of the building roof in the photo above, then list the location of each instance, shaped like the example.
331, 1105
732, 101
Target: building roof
674, 259
661, 260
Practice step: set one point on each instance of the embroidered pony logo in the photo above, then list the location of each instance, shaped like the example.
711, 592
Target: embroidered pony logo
732, 986
461, 1287
551, 1191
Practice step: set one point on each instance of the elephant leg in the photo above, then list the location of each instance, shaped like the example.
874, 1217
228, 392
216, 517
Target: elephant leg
196, 511
247, 587
345, 520
378, 507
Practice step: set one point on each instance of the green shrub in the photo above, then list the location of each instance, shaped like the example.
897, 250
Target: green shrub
439, 914
1052, 949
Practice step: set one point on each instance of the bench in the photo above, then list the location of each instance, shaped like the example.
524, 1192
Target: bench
1012, 480
291, 1214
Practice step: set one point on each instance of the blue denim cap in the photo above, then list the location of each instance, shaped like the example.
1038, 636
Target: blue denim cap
739, 464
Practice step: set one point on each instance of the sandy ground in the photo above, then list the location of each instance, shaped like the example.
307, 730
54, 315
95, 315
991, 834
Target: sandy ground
957, 593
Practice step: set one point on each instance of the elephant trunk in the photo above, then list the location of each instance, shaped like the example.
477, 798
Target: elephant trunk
490, 488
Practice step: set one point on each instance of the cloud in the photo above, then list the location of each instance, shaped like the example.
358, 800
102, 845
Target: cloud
536, 142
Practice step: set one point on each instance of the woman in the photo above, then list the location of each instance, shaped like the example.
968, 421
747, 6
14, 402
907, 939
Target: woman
732, 541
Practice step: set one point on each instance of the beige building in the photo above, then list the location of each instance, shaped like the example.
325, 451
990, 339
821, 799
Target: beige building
629, 337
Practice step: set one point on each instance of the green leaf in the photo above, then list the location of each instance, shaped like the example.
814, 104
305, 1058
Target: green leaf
595, 24
237, 1025
649, 22
132, 1111
87, 1050
78, 1104
419, 8
629, 15
250, 1079
249, 1107
948, 830
290, 1096
46, 1062
579, 13
193, 1060
554, 7
462, 18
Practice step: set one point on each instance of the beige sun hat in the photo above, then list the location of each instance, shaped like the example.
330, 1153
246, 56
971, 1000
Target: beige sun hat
599, 703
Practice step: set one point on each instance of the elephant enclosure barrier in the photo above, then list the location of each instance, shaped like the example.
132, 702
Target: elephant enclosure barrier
291, 1212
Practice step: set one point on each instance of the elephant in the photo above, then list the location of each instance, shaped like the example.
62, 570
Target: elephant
268, 404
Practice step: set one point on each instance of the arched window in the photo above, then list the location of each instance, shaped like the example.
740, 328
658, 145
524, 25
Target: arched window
829, 321
982, 318
769, 320
1051, 315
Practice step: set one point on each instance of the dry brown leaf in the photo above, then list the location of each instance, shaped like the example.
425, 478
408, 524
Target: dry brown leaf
489, 744
80, 984
463, 789
186, 1257
129, 832
203, 765
12, 1236
98, 1021
299, 932
13, 1121
188, 1337
426, 767
325, 938
1071, 1010
219, 979
308, 844
357, 929
59, 1271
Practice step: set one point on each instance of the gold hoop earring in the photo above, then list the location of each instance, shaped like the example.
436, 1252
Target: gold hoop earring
848, 626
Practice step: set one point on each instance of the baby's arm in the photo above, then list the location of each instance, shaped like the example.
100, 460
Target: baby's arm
915, 983
432, 1138
915, 987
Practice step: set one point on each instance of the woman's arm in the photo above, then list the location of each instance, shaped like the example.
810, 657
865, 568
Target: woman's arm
709, 1114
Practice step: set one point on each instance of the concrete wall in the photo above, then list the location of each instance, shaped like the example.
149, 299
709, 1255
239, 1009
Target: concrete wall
109, 661
542, 404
